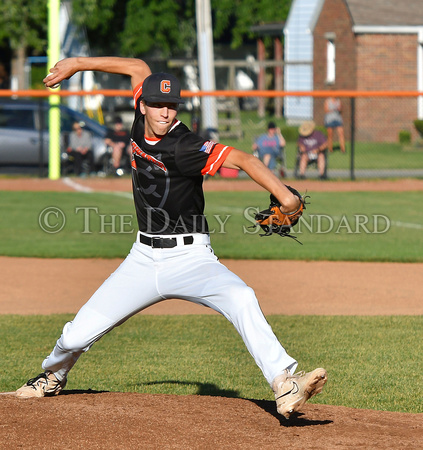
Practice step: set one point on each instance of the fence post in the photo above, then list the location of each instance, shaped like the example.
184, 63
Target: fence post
41, 138
352, 174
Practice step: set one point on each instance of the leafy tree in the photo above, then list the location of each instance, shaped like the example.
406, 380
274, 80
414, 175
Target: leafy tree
23, 26
103, 20
163, 26
134, 27
239, 15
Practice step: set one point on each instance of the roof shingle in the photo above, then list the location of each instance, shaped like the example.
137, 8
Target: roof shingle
386, 12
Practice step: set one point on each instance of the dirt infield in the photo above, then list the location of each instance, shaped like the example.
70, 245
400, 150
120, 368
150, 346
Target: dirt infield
330, 288
93, 420
124, 184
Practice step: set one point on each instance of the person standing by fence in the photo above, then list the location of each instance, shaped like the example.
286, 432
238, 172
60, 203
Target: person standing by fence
334, 122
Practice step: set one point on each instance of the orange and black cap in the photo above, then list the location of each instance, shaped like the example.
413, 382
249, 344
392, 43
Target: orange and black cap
162, 88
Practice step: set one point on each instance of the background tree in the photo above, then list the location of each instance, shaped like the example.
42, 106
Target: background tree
133, 27
237, 16
23, 27
136, 27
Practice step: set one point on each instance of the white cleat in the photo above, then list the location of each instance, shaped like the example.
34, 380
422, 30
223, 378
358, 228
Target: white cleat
292, 391
44, 384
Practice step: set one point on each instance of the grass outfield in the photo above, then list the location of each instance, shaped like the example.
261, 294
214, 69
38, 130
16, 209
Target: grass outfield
354, 226
373, 362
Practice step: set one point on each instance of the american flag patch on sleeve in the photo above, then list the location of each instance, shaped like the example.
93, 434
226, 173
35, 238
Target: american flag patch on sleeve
207, 147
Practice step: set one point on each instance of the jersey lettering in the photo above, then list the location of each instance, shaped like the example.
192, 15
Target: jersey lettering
137, 150
165, 86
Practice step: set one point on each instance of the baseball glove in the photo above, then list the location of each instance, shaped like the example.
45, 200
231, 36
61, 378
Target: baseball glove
274, 221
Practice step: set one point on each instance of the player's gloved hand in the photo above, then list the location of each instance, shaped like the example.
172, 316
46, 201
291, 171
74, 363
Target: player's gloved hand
275, 221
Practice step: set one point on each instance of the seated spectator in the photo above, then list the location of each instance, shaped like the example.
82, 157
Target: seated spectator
270, 146
118, 140
80, 148
312, 145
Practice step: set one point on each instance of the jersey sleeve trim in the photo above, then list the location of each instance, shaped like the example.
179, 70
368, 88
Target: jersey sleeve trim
137, 93
216, 159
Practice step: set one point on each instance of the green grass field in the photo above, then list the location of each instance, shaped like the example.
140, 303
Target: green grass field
373, 362
355, 226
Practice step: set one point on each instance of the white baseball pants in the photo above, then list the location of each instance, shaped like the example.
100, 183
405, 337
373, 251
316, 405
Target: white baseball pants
149, 275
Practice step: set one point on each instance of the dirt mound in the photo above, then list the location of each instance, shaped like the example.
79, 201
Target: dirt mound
88, 420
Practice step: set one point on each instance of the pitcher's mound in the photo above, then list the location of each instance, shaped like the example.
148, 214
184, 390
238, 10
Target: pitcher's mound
90, 419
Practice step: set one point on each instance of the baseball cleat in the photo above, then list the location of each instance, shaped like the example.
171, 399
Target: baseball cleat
292, 391
44, 384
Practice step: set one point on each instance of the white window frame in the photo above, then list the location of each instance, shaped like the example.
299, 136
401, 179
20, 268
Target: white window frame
420, 72
330, 61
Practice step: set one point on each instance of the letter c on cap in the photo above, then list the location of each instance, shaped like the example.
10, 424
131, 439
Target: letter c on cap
165, 86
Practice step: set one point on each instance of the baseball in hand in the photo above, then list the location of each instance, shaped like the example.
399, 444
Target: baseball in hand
55, 86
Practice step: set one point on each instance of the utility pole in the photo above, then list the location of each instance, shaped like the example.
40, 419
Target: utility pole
206, 64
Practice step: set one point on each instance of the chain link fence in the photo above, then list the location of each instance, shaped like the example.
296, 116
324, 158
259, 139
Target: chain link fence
383, 136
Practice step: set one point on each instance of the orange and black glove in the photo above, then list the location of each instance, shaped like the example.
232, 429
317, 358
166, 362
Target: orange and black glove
274, 221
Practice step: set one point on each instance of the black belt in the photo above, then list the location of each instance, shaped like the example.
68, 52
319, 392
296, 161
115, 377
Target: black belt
159, 242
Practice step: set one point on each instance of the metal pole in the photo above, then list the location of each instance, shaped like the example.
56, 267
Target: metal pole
278, 75
54, 100
352, 174
206, 63
41, 138
261, 79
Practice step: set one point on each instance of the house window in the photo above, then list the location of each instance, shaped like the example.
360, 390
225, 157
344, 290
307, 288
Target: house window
420, 74
330, 61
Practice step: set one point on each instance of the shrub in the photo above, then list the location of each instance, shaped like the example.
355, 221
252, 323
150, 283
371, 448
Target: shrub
290, 133
418, 124
404, 137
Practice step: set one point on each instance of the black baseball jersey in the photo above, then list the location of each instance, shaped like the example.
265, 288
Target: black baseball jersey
167, 177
